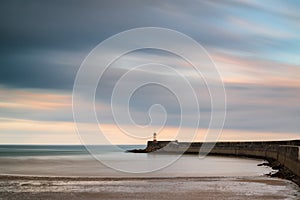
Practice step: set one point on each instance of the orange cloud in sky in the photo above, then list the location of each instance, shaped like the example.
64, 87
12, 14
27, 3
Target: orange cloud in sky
39, 132
16, 98
235, 69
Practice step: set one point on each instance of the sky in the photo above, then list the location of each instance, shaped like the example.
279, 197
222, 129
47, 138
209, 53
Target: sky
254, 44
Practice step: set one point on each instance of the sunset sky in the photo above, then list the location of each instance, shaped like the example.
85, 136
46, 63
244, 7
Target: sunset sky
255, 44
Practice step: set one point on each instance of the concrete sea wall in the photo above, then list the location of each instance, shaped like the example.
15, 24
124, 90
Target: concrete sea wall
285, 152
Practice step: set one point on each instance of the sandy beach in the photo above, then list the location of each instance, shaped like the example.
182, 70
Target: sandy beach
28, 187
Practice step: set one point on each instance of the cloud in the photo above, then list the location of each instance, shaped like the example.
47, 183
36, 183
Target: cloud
39, 69
17, 131
29, 132
244, 69
42, 50
35, 104
254, 44
263, 108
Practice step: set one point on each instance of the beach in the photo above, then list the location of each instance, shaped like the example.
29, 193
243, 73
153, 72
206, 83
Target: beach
28, 187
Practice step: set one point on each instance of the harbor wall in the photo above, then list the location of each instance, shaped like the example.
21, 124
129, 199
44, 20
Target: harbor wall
285, 152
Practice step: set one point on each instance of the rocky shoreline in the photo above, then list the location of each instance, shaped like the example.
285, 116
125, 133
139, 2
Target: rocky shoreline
282, 172
137, 151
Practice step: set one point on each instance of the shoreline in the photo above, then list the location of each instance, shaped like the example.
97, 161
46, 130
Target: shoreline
81, 178
149, 188
283, 172
275, 176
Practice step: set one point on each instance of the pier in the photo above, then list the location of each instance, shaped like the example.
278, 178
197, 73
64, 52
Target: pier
281, 155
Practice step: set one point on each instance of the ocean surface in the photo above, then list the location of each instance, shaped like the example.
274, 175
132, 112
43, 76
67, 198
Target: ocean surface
53, 160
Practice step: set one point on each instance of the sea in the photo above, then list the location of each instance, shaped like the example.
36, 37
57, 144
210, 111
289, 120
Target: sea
114, 161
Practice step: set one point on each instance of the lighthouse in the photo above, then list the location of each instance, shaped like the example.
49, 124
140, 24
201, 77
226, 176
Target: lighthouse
154, 137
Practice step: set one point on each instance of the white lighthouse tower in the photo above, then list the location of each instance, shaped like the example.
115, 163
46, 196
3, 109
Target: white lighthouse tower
154, 137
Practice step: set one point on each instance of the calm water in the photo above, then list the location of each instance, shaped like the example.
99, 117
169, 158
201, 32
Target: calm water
49, 160
52, 150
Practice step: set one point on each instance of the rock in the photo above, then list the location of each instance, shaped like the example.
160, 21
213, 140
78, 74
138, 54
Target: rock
137, 151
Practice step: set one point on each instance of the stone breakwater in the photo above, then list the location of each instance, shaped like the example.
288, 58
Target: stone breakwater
281, 155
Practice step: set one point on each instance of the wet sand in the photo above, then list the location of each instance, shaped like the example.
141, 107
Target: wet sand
27, 187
